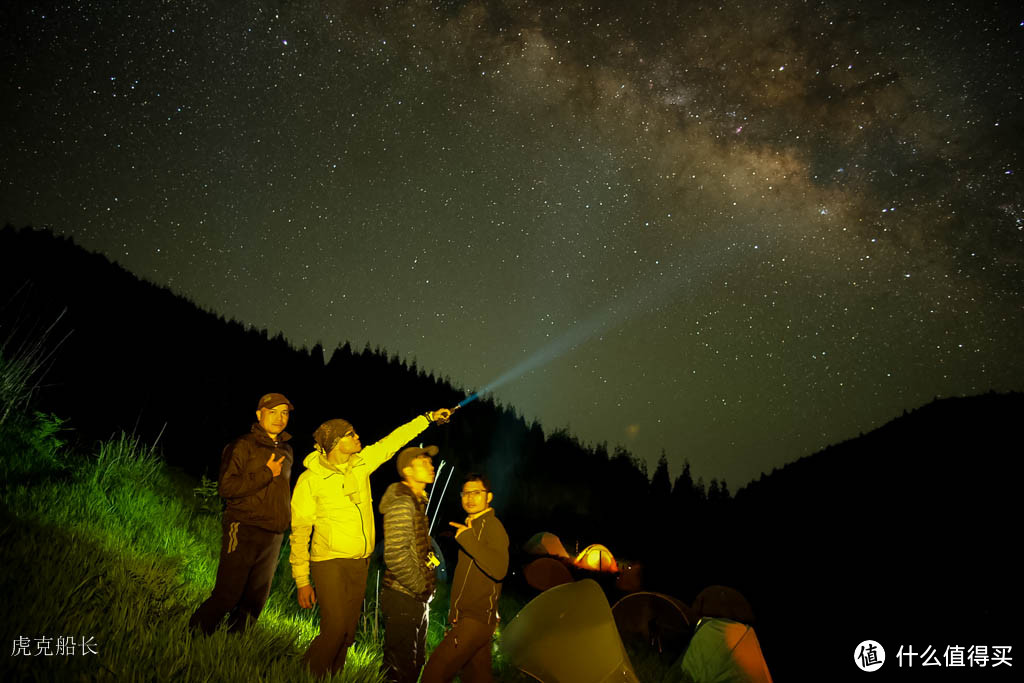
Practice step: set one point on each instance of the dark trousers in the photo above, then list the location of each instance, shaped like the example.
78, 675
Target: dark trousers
467, 649
405, 635
340, 587
248, 560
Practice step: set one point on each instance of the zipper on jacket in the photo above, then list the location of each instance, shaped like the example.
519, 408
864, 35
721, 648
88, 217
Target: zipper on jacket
362, 529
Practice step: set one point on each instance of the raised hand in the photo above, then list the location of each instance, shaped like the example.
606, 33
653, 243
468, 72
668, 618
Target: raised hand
440, 416
275, 465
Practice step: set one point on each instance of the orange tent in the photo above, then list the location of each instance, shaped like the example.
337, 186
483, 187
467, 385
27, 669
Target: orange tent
597, 558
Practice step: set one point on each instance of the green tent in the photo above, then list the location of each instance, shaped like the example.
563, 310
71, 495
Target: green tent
721, 651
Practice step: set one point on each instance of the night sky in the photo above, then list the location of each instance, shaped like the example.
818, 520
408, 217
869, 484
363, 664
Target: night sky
738, 231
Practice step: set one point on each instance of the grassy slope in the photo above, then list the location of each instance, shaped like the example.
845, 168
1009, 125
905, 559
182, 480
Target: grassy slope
113, 547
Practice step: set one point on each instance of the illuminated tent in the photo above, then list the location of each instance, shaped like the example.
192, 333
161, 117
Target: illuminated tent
724, 647
723, 651
545, 543
546, 572
660, 620
567, 635
597, 558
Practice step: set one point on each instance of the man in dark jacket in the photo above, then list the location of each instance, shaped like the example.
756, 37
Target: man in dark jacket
254, 478
476, 587
410, 577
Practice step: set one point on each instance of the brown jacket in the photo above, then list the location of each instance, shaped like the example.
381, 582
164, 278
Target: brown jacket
483, 562
254, 495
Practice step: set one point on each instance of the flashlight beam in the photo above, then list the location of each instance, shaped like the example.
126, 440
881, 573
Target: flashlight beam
451, 471
436, 475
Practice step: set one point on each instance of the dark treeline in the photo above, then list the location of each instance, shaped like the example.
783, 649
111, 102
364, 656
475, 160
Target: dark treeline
142, 359
908, 532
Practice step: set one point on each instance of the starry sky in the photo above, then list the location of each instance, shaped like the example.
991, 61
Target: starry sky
735, 231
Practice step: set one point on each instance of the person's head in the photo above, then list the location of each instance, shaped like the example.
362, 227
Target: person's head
272, 413
415, 466
337, 440
476, 493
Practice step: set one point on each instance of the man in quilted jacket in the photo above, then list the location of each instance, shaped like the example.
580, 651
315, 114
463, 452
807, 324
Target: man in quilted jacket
409, 578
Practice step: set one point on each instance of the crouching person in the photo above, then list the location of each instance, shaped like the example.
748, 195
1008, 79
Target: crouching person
409, 577
476, 587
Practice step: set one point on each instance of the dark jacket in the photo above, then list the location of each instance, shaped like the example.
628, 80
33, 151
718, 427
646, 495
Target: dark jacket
407, 542
483, 562
254, 495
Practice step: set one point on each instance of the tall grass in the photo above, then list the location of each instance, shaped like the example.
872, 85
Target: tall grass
24, 356
111, 547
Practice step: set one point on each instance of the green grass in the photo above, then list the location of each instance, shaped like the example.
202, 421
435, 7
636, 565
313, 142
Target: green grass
111, 546
116, 547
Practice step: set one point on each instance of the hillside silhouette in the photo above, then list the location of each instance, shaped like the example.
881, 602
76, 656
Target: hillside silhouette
140, 358
907, 533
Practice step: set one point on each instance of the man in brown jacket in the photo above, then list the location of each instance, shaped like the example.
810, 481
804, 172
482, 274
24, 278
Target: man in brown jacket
476, 587
254, 478
410, 577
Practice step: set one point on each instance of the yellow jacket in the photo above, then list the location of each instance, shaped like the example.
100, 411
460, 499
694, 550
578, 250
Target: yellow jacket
334, 503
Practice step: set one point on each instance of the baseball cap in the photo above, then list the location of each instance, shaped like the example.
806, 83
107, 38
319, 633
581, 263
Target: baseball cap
272, 401
409, 454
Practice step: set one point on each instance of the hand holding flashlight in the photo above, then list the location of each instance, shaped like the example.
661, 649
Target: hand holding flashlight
440, 416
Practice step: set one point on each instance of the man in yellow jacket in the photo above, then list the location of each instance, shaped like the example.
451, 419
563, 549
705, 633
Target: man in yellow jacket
332, 503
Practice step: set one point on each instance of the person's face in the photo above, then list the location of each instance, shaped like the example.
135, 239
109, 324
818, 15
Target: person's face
347, 446
273, 420
475, 498
420, 471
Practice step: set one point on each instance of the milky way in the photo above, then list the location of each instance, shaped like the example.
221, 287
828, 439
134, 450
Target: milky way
734, 233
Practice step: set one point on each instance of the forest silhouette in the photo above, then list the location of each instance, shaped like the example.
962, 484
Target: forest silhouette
904, 533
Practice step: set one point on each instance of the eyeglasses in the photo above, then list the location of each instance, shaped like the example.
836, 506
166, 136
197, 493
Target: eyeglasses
470, 494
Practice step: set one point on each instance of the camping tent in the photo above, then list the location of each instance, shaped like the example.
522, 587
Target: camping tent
721, 651
546, 572
660, 620
724, 602
545, 543
724, 647
567, 635
598, 558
